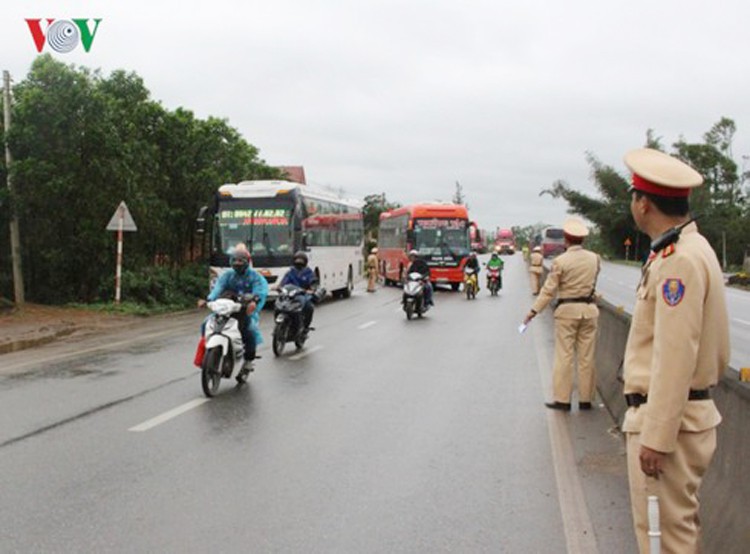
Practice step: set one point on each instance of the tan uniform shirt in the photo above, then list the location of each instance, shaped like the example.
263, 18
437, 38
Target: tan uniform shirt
535, 262
572, 275
372, 262
678, 340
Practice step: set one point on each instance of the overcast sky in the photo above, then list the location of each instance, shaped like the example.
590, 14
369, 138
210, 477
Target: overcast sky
407, 97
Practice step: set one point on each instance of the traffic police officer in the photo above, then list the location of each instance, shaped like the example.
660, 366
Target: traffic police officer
677, 349
372, 270
535, 269
572, 278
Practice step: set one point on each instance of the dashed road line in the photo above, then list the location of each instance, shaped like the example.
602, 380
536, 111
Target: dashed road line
366, 325
166, 416
742, 321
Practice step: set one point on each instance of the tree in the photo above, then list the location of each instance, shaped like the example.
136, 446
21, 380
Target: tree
610, 213
81, 144
458, 196
720, 202
375, 204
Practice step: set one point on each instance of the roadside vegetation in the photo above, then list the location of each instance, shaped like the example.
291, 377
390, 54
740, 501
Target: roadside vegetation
83, 142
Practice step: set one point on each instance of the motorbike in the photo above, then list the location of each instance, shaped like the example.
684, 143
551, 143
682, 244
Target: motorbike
494, 280
224, 349
288, 317
413, 299
470, 283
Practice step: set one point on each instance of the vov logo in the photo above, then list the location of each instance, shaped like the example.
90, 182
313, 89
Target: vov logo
63, 35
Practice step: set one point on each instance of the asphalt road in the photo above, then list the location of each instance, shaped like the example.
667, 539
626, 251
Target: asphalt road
617, 283
382, 435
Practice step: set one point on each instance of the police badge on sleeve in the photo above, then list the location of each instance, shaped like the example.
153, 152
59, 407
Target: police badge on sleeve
673, 290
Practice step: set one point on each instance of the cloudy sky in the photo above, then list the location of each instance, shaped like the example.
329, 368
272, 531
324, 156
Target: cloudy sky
407, 97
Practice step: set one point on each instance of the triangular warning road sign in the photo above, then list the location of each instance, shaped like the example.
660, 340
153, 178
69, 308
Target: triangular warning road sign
123, 213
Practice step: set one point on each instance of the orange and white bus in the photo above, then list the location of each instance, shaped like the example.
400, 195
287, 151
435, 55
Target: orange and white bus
439, 232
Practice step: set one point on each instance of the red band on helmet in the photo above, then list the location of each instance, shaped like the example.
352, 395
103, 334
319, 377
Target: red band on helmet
641, 184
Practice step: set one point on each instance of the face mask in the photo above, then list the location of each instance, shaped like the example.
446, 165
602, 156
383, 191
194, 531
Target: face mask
239, 268
299, 265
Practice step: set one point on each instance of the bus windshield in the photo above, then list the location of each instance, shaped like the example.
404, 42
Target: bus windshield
554, 234
439, 237
264, 225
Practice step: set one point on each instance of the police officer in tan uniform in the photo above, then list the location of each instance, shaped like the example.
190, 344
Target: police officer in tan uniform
535, 269
372, 270
677, 349
572, 278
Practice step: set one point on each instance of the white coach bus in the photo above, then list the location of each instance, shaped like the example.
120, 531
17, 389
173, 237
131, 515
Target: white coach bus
275, 219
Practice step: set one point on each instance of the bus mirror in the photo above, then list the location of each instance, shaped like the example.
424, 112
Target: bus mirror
200, 222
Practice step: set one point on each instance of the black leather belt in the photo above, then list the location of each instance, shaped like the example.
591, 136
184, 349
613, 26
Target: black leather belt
579, 300
634, 399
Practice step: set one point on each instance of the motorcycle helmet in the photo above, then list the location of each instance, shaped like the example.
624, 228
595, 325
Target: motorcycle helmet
240, 261
300, 260
494, 255
413, 253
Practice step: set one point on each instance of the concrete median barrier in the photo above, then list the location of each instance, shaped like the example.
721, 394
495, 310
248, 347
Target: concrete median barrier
726, 487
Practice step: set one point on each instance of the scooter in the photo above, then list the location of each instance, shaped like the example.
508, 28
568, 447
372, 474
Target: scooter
288, 317
413, 299
224, 349
470, 283
494, 280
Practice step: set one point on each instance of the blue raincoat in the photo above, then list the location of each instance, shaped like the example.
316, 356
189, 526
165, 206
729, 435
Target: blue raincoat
250, 282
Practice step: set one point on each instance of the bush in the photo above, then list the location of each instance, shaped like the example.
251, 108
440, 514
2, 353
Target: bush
161, 286
740, 279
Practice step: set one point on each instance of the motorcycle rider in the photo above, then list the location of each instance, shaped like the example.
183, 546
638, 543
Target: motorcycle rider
303, 277
243, 279
473, 263
417, 265
495, 262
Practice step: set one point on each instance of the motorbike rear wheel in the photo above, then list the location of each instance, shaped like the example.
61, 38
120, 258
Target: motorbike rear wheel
211, 371
409, 308
279, 338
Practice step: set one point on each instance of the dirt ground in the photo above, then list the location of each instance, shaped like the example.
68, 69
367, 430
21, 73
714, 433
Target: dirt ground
35, 324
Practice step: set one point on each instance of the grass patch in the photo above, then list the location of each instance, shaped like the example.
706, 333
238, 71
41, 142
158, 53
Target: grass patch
129, 308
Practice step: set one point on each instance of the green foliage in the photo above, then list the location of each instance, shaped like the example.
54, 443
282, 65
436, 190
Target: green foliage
162, 286
375, 204
721, 202
527, 235
82, 143
610, 213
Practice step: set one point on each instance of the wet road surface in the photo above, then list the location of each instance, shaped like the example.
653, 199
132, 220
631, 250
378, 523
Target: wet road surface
382, 435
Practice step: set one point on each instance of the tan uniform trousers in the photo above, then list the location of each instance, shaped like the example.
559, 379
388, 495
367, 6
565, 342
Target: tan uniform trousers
372, 279
676, 489
574, 336
535, 275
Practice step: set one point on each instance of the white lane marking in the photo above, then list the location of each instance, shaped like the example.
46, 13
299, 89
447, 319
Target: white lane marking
579, 531
305, 353
366, 325
166, 416
741, 321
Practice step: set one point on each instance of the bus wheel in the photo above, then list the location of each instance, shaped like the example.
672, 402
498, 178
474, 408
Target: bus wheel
347, 292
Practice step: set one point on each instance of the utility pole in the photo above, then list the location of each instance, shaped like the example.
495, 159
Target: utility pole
15, 237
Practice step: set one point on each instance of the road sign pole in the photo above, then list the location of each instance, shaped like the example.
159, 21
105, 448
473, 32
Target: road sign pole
118, 271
